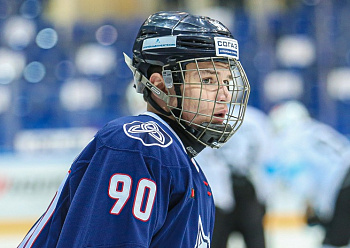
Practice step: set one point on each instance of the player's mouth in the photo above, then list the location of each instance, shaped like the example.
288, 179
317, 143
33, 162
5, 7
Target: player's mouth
220, 116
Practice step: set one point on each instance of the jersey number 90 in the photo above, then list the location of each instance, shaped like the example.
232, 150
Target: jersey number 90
120, 186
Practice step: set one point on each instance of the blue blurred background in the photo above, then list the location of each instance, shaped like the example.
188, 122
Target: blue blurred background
61, 63
63, 76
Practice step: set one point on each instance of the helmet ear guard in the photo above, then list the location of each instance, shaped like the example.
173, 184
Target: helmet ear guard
142, 84
173, 40
141, 81
168, 79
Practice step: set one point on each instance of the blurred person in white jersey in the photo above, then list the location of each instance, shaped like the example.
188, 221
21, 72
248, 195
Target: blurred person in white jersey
314, 161
240, 187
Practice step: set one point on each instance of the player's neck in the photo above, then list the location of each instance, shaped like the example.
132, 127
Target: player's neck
192, 146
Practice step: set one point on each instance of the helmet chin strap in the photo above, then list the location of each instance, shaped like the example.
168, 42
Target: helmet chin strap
150, 100
192, 145
214, 134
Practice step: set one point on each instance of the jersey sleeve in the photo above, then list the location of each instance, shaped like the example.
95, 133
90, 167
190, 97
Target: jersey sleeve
120, 201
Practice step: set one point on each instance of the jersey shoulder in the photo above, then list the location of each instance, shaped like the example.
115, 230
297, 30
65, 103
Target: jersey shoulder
142, 134
132, 130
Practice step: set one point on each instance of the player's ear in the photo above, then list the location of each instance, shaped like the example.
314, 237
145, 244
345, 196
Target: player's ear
157, 80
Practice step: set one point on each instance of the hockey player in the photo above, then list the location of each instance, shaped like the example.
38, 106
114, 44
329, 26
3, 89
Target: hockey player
313, 160
136, 183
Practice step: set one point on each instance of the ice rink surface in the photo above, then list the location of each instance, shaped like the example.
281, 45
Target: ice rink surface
283, 238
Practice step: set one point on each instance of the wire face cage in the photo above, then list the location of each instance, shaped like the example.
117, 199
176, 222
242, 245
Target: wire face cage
209, 95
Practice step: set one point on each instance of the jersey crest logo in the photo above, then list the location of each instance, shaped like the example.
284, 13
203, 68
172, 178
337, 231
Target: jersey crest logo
149, 133
203, 241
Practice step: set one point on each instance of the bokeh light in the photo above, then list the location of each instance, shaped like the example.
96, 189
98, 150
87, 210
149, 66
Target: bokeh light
295, 51
30, 9
94, 59
34, 72
338, 85
19, 32
106, 35
65, 69
283, 85
12, 64
47, 38
7, 74
80, 94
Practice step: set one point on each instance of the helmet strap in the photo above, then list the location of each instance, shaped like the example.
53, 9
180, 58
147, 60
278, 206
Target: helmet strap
191, 144
212, 138
177, 111
148, 96
149, 87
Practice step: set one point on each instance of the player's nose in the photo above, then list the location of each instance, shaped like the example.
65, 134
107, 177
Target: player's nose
224, 94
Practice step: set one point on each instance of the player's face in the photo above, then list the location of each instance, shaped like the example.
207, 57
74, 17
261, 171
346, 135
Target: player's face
211, 97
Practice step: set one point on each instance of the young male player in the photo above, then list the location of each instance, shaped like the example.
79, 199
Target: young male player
136, 183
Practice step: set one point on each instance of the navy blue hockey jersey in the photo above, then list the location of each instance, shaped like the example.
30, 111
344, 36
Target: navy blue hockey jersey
132, 186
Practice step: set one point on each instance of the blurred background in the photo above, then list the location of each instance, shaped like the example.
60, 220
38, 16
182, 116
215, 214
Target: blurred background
62, 77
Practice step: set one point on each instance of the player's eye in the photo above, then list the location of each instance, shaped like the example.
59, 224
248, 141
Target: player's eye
207, 80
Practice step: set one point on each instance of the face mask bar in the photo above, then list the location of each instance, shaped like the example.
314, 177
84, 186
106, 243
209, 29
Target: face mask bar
215, 82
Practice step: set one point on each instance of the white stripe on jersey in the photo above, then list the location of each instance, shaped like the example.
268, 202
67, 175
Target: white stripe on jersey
30, 238
195, 164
